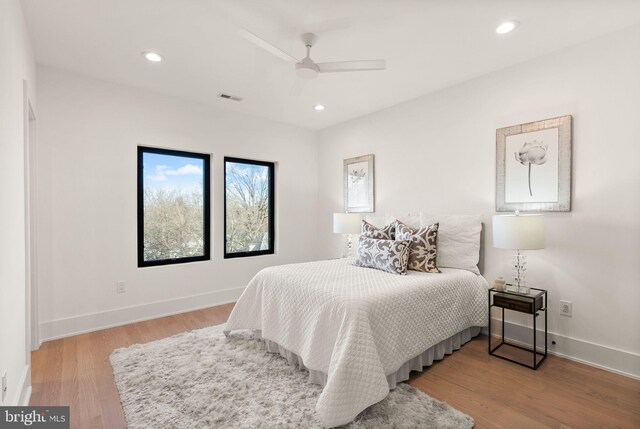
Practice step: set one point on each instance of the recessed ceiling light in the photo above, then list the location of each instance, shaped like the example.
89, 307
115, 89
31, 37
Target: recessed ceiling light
318, 107
152, 56
507, 27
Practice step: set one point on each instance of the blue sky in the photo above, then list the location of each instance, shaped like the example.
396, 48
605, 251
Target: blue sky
172, 172
260, 170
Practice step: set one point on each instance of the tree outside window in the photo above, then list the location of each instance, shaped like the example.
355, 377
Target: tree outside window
249, 207
173, 207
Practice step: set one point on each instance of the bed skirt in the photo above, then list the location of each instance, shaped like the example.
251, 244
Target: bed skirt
426, 358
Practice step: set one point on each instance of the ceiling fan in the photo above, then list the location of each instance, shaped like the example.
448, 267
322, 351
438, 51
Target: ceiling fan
307, 68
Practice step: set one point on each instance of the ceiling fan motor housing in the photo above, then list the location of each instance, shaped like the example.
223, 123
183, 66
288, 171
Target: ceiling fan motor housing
307, 69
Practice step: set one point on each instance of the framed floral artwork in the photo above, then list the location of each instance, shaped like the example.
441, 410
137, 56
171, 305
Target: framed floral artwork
359, 184
533, 166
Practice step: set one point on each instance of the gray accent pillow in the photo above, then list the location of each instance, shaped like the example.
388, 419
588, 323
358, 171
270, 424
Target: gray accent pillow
385, 233
423, 249
391, 256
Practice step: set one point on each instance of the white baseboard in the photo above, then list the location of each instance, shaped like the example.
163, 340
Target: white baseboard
23, 393
60, 328
26, 398
608, 358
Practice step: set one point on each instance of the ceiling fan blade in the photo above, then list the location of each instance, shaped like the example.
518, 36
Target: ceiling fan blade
266, 45
345, 66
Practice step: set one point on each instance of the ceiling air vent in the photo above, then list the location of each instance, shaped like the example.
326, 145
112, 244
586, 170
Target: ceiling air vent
229, 96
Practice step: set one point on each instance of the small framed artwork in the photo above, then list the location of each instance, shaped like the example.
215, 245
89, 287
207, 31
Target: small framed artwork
359, 184
533, 166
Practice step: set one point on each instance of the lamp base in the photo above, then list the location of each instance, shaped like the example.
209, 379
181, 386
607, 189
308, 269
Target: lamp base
519, 272
347, 246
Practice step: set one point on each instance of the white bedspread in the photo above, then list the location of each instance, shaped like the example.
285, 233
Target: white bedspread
357, 325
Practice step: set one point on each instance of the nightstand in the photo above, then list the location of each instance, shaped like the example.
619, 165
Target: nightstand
533, 303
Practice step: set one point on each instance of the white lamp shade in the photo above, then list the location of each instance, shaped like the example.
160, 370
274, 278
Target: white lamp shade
346, 223
523, 231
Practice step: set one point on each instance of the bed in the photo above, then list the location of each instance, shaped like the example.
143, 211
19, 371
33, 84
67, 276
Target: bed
357, 330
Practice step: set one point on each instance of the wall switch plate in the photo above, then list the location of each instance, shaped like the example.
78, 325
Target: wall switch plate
566, 308
121, 287
4, 385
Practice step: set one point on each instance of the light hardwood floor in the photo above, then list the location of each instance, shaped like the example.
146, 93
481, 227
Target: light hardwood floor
75, 371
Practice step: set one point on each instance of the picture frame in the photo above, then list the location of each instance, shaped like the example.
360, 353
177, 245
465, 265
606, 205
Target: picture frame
533, 166
359, 184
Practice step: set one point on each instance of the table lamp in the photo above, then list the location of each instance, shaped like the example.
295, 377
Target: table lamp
518, 232
347, 224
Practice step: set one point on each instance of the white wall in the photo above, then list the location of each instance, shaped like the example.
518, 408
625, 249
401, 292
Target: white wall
88, 134
437, 154
16, 66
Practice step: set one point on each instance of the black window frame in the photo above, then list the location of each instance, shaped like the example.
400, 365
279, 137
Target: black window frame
206, 201
272, 186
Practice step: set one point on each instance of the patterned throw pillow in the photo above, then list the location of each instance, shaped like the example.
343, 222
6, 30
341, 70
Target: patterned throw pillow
423, 250
391, 256
385, 233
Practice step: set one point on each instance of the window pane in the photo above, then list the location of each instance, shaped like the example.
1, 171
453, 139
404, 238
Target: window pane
174, 207
248, 207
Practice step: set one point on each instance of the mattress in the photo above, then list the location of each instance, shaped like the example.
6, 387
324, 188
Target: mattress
357, 325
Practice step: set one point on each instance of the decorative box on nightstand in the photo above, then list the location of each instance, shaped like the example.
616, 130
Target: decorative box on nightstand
533, 303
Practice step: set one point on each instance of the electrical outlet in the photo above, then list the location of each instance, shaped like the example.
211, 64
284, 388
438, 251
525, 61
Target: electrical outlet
121, 287
4, 385
566, 308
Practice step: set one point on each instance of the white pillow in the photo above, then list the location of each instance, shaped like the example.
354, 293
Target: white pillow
379, 221
409, 219
458, 240
376, 220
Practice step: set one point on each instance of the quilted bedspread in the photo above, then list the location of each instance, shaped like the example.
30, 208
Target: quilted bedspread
357, 325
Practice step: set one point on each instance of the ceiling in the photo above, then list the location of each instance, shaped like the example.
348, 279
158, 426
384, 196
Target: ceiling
428, 45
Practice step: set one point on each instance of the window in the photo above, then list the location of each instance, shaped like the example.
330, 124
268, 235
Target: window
248, 208
173, 207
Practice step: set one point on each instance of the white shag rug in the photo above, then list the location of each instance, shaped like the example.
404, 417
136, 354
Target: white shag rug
201, 379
